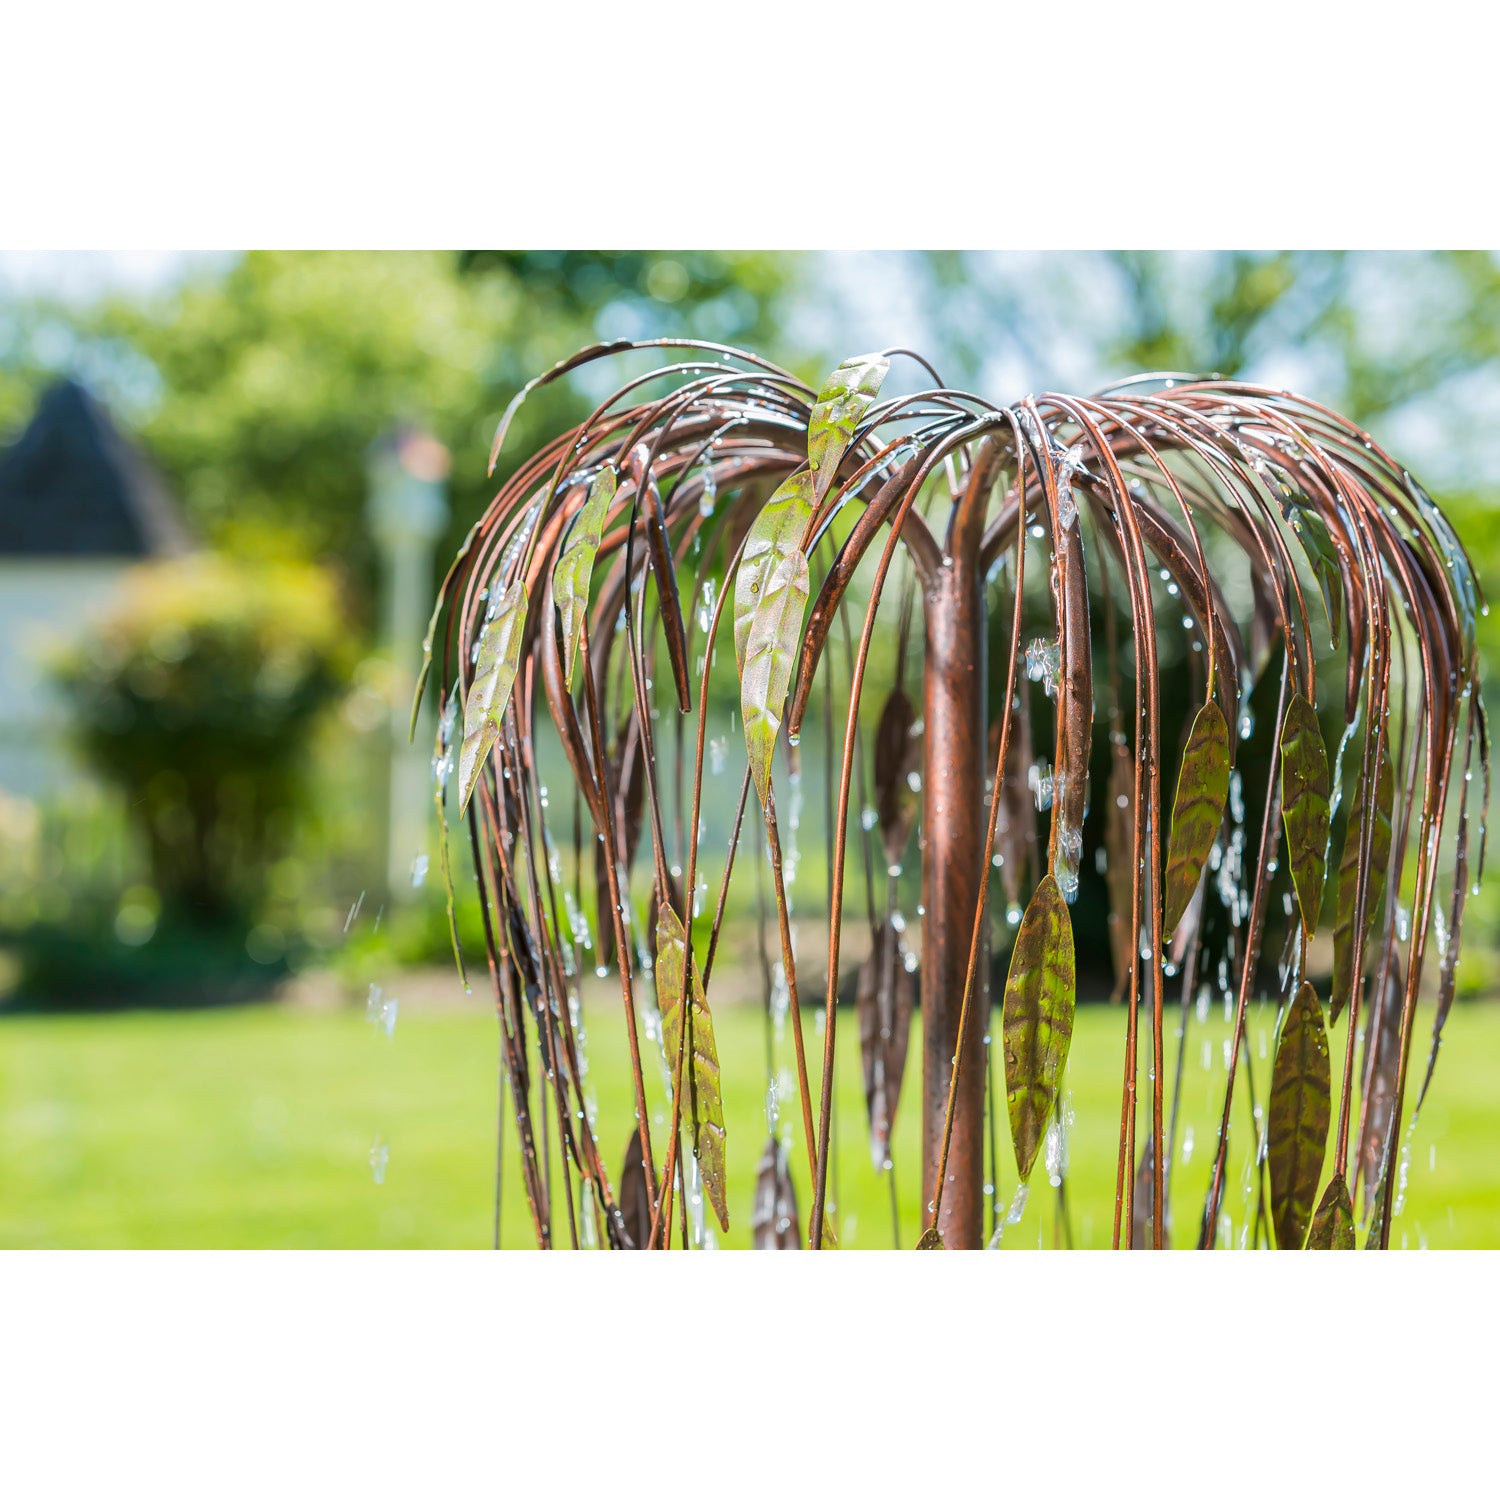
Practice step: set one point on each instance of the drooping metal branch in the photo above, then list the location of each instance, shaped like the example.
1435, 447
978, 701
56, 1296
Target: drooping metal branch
1241, 529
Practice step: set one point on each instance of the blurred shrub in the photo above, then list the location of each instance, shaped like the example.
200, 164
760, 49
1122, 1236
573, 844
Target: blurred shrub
196, 696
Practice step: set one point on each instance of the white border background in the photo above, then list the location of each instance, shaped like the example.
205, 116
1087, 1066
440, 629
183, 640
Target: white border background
157, 126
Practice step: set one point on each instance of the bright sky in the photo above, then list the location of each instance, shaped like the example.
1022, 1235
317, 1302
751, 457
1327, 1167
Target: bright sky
79, 275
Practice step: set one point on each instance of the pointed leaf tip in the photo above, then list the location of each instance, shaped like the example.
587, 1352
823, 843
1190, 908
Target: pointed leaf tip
1197, 809
1037, 1018
841, 404
1333, 1224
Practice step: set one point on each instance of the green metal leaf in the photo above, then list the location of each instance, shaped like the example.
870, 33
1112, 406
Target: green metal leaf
494, 675
1380, 853
1037, 1018
575, 568
766, 674
931, 1240
1323, 558
442, 757
705, 1110
843, 401
1333, 1224
432, 624
1298, 1121
774, 534
1304, 805
1197, 809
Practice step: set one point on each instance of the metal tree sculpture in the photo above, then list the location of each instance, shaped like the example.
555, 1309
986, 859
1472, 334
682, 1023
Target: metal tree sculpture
1151, 505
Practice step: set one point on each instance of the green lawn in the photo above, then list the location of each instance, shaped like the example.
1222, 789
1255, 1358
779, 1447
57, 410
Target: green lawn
254, 1126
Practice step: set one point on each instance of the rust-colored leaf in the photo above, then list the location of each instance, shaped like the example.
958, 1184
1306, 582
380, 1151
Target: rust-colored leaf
1383, 1034
635, 1196
1141, 1237
575, 568
1348, 880
659, 549
885, 1000
704, 1108
1333, 1224
931, 1240
897, 756
1298, 1119
773, 1221
1015, 823
1304, 805
1037, 1018
1197, 809
495, 671
843, 401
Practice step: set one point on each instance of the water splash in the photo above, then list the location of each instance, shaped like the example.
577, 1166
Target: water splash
1012, 1215
380, 1010
1044, 663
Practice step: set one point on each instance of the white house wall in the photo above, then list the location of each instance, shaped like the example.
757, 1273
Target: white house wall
44, 603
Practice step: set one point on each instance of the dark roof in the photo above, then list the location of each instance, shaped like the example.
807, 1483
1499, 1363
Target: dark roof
72, 486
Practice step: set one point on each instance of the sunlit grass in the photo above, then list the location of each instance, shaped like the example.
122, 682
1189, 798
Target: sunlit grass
254, 1127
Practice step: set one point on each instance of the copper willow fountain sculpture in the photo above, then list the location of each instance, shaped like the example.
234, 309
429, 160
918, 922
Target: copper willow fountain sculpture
1245, 533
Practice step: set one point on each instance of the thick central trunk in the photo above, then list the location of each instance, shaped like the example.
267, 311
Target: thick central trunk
954, 822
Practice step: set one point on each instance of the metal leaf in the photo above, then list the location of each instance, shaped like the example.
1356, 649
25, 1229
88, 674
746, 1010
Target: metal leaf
773, 536
635, 1196
1333, 1224
773, 1221
931, 1240
701, 1070
1383, 1035
897, 755
494, 675
1298, 1119
844, 399
1015, 824
1323, 558
1348, 880
1144, 1198
1304, 805
1197, 809
766, 673
1037, 1018
885, 1000
575, 568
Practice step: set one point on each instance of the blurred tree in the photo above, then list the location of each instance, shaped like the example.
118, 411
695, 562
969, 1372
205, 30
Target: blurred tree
1379, 329
196, 696
273, 377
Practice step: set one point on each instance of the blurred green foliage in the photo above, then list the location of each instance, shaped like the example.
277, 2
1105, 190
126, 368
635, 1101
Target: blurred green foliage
261, 387
259, 382
195, 697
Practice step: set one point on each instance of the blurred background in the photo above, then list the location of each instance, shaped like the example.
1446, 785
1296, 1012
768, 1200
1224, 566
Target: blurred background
228, 487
